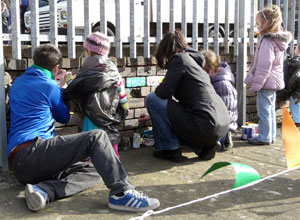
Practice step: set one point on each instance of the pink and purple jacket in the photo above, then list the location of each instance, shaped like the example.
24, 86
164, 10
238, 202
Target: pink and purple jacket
266, 70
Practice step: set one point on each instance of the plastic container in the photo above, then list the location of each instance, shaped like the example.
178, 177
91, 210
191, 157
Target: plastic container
136, 143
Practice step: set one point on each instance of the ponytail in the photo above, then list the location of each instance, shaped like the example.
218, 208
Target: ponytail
274, 18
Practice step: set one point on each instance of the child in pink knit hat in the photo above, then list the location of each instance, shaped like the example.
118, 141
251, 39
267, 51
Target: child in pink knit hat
98, 90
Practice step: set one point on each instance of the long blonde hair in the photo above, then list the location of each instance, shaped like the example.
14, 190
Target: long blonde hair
274, 18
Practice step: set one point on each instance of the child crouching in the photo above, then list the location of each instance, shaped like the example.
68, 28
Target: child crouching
223, 81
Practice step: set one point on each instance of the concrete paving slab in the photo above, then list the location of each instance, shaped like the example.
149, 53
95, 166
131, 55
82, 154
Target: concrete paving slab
177, 183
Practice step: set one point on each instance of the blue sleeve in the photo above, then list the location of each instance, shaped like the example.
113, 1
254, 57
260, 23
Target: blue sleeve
60, 111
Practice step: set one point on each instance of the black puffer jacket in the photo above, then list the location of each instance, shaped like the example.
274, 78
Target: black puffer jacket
292, 77
200, 116
95, 93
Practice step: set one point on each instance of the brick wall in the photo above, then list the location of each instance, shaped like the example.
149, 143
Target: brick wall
141, 76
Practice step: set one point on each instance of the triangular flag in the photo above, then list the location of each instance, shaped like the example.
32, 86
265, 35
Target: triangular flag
291, 140
244, 173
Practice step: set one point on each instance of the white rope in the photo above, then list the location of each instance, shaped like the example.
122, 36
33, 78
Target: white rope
151, 212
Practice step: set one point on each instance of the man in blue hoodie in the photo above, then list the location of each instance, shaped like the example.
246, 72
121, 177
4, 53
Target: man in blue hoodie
55, 167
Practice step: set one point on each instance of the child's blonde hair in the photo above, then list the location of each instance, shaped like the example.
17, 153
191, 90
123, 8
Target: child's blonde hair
212, 60
274, 18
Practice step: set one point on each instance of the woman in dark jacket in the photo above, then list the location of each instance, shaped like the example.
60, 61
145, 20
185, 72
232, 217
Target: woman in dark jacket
196, 114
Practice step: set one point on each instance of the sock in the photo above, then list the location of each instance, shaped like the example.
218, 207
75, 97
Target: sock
115, 147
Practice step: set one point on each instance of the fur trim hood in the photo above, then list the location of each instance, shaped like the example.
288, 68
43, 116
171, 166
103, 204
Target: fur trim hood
282, 39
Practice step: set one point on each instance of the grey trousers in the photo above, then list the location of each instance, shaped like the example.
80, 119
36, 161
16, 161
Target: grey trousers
58, 165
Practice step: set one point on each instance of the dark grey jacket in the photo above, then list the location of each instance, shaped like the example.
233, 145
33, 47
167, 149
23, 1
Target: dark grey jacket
95, 93
199, 115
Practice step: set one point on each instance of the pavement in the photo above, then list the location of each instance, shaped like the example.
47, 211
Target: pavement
177, 183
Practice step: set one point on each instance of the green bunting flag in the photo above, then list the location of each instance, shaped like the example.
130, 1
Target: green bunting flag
244, 173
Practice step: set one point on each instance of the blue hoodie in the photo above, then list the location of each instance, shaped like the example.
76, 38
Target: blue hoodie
35, 101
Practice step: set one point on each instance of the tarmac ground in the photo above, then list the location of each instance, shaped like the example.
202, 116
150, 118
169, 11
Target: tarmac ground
177, 183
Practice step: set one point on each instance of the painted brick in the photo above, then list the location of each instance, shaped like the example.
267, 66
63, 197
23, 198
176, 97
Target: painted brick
135, 81
154, 80
128, 71
146, 71
136, 102
131, 123
145, 91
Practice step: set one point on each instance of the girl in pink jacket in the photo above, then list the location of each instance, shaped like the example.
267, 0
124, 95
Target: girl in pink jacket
266, 71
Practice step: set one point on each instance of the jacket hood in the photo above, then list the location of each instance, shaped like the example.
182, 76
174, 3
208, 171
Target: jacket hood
197, 56
225, 73
282, 39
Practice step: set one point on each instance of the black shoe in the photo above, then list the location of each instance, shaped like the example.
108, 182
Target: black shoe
254, 141
209, 152
172, 155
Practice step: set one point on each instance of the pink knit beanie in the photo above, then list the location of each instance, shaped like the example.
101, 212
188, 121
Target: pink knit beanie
98, 43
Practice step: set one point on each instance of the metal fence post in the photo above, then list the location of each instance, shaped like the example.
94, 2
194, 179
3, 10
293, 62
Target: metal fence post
71, 31
195, 25
35, 30
3, 130
16, 30
241, 64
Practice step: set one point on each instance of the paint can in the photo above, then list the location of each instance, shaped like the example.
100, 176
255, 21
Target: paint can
250, 132
244, 132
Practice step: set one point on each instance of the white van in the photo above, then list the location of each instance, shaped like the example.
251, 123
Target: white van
78, 16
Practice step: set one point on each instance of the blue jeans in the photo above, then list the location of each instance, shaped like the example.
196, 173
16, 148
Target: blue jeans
265, 104
164, 136
295, 110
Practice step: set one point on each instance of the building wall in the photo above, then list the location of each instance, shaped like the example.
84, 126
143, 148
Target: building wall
141, 76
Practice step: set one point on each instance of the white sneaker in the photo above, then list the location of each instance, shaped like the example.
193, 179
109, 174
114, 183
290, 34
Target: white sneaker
35, 197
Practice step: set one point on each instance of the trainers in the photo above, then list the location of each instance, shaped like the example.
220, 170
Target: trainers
228, 142
36, 197
255, 141
133, 201
172, 155
209, 152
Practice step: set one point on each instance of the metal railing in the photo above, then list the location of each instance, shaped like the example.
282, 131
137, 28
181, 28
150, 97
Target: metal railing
228, 23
